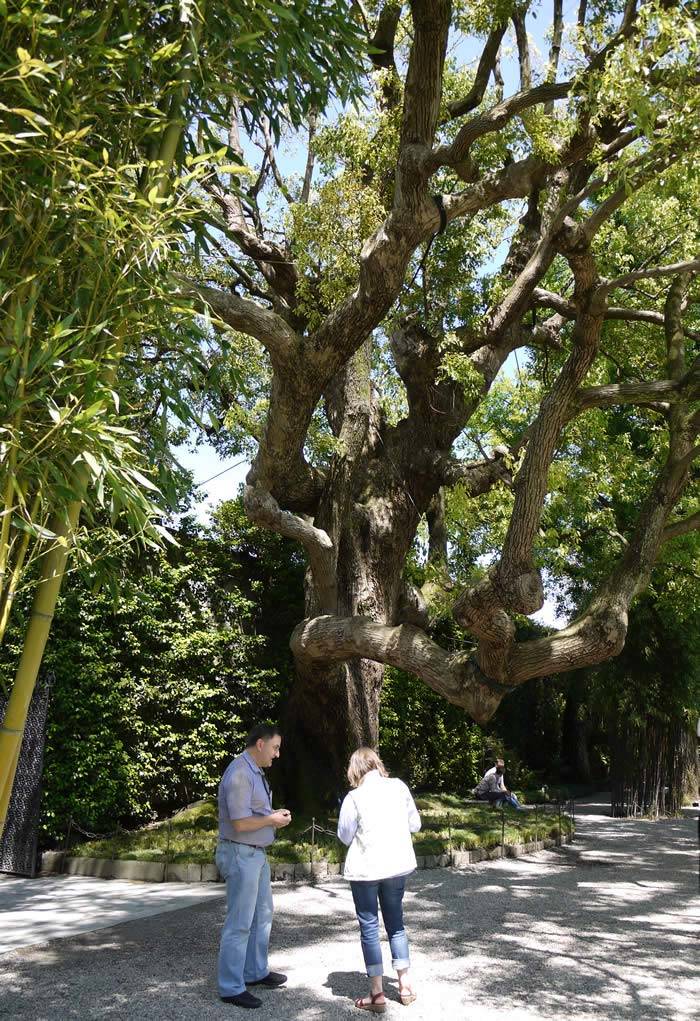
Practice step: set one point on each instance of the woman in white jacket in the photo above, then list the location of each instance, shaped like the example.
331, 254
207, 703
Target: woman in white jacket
376, 821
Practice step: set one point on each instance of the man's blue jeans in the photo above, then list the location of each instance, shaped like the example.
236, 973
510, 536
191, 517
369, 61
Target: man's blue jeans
245, 936
389, 894
494, 798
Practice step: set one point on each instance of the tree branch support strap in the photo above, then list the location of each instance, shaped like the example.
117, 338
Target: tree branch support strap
437, 199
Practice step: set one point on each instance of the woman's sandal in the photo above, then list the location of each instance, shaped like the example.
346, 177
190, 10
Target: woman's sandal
372, 1003
407, 997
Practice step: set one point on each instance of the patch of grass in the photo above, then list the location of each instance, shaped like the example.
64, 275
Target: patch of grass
466, 826
190, 835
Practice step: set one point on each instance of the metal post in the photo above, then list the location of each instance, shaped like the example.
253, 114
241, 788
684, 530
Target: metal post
559, 806
449, 836
503, 831
66, 847
313, 839
168, 832
537, 823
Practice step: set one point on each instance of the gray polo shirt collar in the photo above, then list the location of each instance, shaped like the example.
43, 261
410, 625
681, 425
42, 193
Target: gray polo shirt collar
257, 769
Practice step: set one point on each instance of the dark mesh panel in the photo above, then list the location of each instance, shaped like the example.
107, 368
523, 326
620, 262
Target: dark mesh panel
18, 844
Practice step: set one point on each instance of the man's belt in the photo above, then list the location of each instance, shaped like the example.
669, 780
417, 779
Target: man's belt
243, 843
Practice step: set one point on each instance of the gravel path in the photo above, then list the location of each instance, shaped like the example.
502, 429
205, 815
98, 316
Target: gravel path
605, 929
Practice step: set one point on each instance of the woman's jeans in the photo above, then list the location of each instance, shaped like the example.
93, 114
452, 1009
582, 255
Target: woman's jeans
245, 936
389, 894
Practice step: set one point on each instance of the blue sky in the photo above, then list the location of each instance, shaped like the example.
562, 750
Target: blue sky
221, 476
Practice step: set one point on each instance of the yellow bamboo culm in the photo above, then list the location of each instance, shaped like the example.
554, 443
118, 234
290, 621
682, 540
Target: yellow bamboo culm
16, 575
11, 469
45, 599
13, 585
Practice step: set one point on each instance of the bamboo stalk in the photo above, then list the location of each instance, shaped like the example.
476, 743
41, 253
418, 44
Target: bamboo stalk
43, 607
7, 515
172, 135
16, 425
37, 633
9, 595
7, 504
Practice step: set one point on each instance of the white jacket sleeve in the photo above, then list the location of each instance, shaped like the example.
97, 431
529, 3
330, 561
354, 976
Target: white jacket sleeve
347, 820
414, 823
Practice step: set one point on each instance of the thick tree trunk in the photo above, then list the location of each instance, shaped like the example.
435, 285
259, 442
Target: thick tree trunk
334, 707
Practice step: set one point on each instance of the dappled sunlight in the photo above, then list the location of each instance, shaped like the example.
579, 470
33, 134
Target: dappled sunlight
53, 907
601, 929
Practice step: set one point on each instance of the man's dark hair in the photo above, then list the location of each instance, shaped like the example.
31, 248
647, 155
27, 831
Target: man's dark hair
261, 732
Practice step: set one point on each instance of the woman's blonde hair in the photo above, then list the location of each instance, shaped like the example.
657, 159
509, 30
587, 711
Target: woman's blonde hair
362, 762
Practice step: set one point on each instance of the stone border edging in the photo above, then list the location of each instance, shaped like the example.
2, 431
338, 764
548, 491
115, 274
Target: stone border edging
159, 872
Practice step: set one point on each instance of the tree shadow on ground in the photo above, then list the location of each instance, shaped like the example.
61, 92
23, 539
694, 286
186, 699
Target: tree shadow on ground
532, 938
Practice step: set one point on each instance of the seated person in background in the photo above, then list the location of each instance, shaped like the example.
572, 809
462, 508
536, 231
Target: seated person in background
492, 787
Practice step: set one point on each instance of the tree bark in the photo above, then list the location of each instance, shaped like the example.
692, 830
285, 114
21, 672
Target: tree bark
334, 707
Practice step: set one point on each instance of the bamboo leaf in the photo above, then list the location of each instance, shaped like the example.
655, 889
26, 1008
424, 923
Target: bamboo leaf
33, 529
142, 480
92, 463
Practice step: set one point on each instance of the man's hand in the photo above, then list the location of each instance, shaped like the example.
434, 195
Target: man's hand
281, 818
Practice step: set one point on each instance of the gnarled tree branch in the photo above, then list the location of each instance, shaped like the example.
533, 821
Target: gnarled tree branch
454, 676
264, 510
542, 298
612, 394
247, 316
690, 265
477, 477
513, 584
487, 62
682, 527
518, 18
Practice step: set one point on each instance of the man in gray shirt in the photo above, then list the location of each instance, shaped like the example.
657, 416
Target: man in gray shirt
247, 825
492, 787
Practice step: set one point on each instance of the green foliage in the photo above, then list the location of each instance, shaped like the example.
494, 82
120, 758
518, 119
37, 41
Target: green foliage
155, 691
457, 365
327, 234
152, 694
190, 836
530, 725
270, 571
431, 744
481, 16
657, 673
109, 120
671, 39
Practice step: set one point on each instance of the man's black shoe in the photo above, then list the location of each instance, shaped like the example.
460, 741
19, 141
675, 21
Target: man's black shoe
244, 999
273, 980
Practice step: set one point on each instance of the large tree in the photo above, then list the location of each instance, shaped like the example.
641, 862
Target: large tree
366, 352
